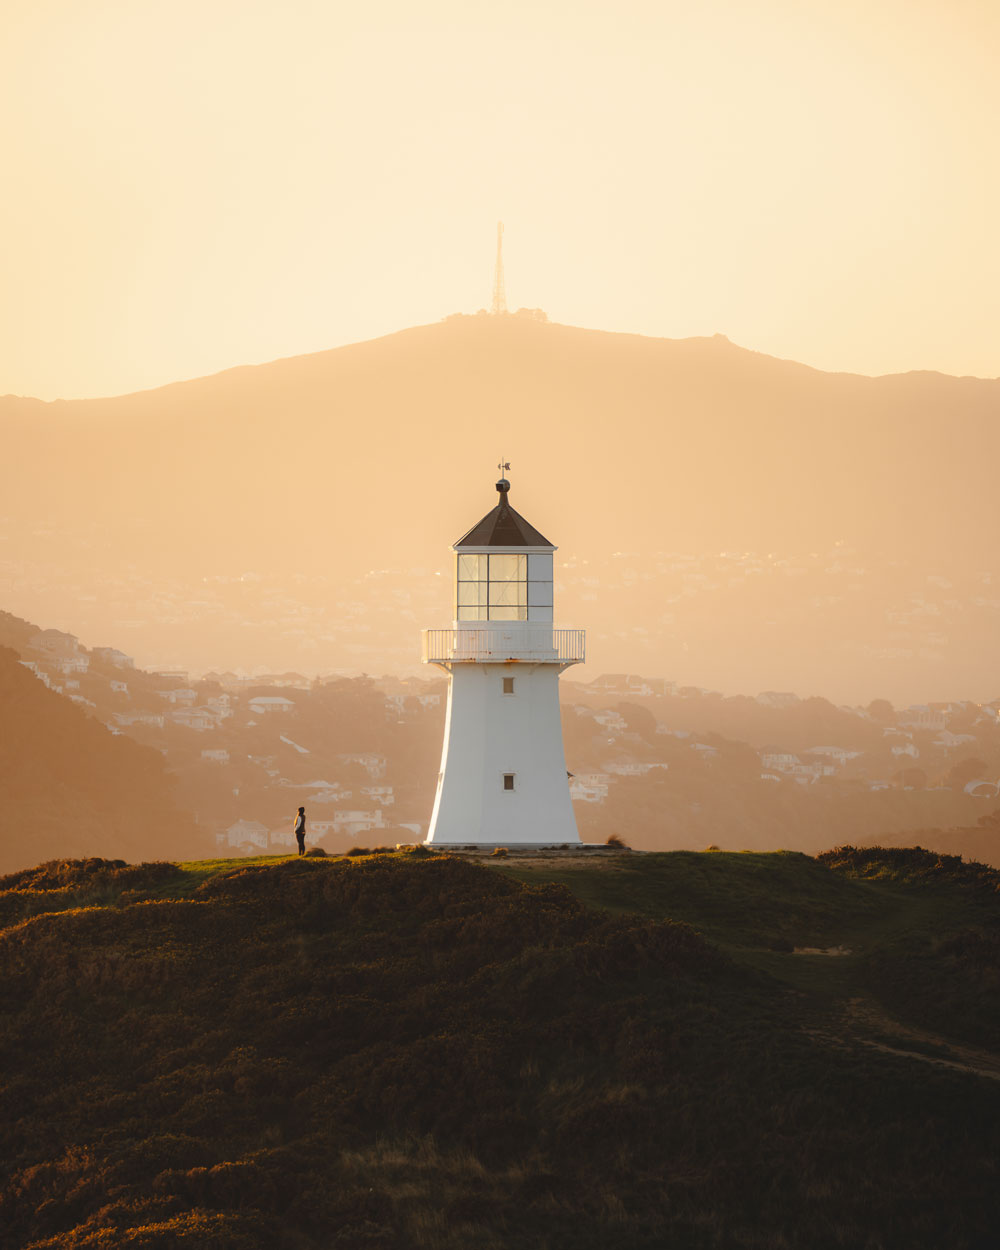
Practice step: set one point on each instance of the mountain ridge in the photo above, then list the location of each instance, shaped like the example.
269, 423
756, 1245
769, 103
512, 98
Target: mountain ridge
376, 456
717, 339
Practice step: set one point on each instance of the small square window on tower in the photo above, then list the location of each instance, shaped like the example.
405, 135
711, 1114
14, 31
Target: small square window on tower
508, 781
508, 685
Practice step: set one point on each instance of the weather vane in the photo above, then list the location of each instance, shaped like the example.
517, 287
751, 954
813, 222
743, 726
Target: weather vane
504, 465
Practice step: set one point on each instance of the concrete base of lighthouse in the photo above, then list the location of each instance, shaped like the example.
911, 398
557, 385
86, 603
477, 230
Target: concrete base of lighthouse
503, 775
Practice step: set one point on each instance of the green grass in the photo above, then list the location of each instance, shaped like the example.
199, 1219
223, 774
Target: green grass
892, 912
280, 1053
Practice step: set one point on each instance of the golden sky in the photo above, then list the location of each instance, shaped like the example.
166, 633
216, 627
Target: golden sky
195, 184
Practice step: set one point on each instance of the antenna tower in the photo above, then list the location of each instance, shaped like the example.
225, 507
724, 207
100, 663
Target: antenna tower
499, 293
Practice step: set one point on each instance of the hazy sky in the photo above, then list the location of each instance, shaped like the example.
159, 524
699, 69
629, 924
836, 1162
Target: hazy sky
194, 184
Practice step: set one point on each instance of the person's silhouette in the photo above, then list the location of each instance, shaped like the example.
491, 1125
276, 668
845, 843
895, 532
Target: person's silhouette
300, 830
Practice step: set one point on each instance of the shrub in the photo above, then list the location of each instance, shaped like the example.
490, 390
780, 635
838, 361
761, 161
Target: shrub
316, 850
383, 850
359, 850
616, 843
499, 850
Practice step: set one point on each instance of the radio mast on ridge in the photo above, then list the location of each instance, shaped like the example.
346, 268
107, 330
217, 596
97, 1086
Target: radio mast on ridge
499, 293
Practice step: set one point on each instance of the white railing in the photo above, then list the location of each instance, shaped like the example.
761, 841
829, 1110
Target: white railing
540, 644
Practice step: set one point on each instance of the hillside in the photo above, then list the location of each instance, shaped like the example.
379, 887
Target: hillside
670, 768
420, 1050
69, 787
724, 518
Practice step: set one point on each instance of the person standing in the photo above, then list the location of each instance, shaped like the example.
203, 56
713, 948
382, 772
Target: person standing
300, 830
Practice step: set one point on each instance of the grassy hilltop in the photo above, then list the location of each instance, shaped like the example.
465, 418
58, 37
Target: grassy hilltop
411, 1049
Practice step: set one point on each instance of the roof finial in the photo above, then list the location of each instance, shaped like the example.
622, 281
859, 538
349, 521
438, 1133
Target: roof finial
503, 486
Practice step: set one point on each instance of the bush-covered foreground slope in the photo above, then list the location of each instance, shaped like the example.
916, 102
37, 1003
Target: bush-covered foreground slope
418, 1051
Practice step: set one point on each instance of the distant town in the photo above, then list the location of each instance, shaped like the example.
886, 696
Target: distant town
661, 764
821, 623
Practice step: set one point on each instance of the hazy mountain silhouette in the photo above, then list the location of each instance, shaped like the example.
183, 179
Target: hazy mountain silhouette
70, 787
379, 454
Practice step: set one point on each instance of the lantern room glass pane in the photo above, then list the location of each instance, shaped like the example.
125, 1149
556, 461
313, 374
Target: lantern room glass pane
508, 614
508, 568
540, 567
472, 568
471, 594
508, 594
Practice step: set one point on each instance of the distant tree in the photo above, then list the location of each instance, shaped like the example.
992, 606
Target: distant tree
961, 773
911, 779
881, 712
638, 719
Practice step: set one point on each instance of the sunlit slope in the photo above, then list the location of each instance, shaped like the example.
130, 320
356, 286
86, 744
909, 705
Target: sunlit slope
70, 787
414, 1050
619, 441
916, 930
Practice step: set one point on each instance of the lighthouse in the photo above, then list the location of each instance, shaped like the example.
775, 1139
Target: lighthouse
503, 779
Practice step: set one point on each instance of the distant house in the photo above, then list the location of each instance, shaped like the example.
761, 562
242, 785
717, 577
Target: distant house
907, 748
266, 704
840, 755
949, 741
627, 768
374, 765
111, 655
922, 716
72, 663
779, 761
355, 822
199, 718
120, 687
582, 792
215, 755
179, 696
593, 779
55, 642
610, 682
319, 828
244, 833
379, 794
777, 698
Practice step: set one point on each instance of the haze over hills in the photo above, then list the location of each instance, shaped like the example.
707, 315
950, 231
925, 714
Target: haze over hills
68, 787
724, 518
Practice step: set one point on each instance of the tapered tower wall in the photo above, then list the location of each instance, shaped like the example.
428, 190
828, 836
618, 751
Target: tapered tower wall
503, 779
490, 736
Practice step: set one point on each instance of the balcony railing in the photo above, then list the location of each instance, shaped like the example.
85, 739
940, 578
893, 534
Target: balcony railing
537, 644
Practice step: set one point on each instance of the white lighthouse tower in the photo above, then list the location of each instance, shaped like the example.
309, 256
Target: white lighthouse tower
503, 779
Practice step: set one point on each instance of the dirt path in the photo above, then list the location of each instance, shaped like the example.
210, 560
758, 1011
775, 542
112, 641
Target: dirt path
864, 1015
